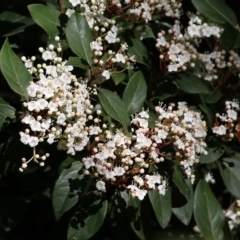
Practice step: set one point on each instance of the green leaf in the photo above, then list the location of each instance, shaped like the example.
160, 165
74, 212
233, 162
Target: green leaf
152, 119
137, 48
118, 77
64, 194
135, 93
134, 210
79, 37
230, 38
18, 23
46, 17
88, 219
214, 96
216, 10
113, 106
14, 70
231, 175
77, 62
209, 114
5, 111
180, 183
184, 213
190, 83
208, 213
162, 206
213, 154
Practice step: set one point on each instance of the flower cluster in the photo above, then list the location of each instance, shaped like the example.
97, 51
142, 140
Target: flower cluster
58, 106
120, 159
227, 125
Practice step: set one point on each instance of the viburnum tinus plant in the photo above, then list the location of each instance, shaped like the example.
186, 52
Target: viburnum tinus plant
120, 120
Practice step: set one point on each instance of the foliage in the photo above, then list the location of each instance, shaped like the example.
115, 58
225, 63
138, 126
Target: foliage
125, 115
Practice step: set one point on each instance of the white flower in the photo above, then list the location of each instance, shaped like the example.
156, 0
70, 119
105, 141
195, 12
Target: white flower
35, 125
232, 114
106, 74
120, 58
88, 162
119, 171
74, 2
32, 105
162, 189
33, 142
221, 130
32, 90
42, 103
100, 185
51, 138
46, 123
69, 12
25, 138
61, 119
47, 55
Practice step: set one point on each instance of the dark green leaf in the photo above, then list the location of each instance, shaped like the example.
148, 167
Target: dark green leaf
46, 17
137, 49
190, 83
213, 154
79, 37
152, 119
5, 111
135, 93
184, 213
208, 213
216, 10
209, 114
87, 220
113, 106
214, 96
118, 77
77, 62
162, 206
231, 175
14, 70
230, 38
18, 23
134, 210
64, 194
180, 183
125, 196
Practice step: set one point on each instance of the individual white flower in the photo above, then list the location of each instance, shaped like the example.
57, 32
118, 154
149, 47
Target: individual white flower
32, 90
46, 123
35, 125
61, 119
32, 105
209, 178
42, 103
220, 130
119, 171
232, 114
47, 55
88, 162
162, 189
75, 2
120, 58
106, 74
33, 142
51, 138
100, 185
69, 12
25, 138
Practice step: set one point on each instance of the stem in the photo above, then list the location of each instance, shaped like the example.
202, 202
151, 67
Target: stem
61, 6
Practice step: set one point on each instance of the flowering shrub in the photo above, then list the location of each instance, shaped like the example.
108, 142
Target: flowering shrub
113, 116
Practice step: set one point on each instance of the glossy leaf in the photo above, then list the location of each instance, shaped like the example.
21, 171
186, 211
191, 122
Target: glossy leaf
180, 183
77, 62
79, 37
208, 112
46, 17
5, 111
134, 210
118, 77
230, 38
230, 172
184, 213
87, 220
14, 70
135, 93
216, 10
213, 154
208, 213
214, 96
14, 23
162, 206
64, 195
113, 106
190, 83
137, 48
